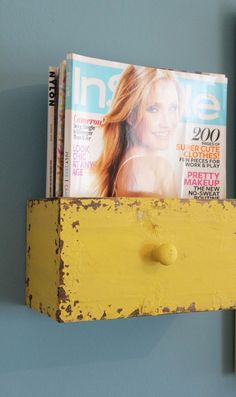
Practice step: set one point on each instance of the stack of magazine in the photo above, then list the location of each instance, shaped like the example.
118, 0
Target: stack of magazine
124, 130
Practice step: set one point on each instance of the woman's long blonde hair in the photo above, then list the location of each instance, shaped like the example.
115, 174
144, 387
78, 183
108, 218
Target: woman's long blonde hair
127, 106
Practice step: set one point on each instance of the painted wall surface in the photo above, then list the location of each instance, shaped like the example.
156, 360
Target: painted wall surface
178, 355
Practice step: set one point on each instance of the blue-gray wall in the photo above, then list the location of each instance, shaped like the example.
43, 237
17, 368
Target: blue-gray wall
178, 355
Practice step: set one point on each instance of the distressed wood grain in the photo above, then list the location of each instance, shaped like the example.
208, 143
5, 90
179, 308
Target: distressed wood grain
96, 259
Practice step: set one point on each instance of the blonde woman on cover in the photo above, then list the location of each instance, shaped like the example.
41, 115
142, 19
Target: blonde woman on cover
144, 114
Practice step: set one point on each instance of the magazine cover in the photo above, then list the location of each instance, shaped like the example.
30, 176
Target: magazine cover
141, 131
51, 130
60, 130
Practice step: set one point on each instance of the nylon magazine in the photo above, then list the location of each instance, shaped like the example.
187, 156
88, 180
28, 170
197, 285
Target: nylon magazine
51, 130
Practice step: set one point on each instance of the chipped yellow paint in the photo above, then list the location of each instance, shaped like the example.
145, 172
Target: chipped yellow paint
42, 272
93, 259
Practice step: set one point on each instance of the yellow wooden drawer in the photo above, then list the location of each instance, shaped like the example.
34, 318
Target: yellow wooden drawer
91, 259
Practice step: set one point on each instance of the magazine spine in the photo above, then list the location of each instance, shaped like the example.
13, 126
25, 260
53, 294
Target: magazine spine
51, 126
68, 131
60, 131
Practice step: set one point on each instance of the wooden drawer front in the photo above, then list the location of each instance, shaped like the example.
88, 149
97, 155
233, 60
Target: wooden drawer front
110, 258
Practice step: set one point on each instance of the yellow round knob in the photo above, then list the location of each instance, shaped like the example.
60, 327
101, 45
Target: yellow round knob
166, 254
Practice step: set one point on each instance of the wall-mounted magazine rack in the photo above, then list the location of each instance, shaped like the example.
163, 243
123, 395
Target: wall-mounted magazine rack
92, 259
